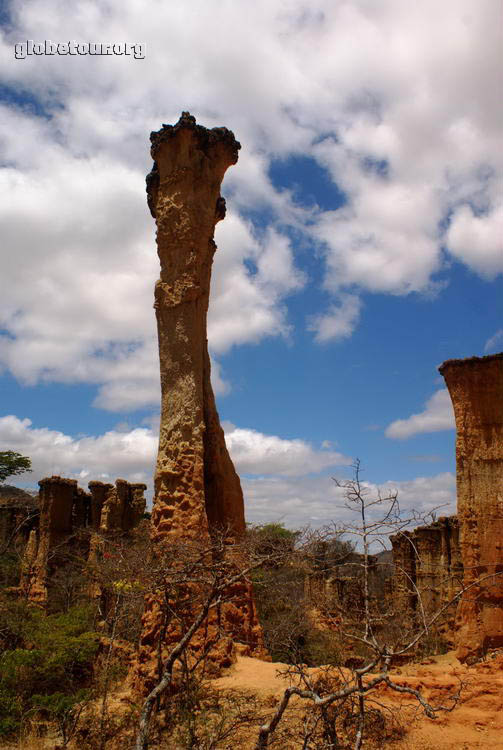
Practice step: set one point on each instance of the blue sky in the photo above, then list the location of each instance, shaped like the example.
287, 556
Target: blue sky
362, 245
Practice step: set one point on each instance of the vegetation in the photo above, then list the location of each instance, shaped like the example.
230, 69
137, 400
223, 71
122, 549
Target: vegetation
46, 662
323, 601
12, 464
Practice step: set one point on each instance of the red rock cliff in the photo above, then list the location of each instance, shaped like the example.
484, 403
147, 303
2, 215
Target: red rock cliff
428, 573
476, 389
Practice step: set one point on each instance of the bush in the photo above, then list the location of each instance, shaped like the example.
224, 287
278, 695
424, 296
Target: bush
47, 661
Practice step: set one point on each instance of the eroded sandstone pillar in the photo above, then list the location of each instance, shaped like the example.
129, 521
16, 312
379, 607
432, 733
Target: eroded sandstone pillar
196, 486
428, 573
45, 549
476, 389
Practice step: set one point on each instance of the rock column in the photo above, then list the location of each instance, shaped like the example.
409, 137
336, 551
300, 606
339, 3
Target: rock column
476, 389
46, 545
196, 486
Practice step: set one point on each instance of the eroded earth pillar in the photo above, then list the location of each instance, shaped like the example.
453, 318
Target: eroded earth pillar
476, 389
196, 486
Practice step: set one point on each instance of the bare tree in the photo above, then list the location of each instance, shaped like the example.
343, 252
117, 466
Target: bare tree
363, 626
197, 581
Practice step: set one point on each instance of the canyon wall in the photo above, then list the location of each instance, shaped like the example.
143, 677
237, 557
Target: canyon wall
476, 389
428, 573
70, 521
197, 490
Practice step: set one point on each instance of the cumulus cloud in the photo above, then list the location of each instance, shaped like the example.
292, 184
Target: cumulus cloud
398, 102
340, 320
256, 453
478, 240
494, 344
248, 304
437, 415
316, 501
131, 452
281, 482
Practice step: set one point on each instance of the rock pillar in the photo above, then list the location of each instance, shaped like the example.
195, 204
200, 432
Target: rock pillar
196, 486
476, 389
46, 545
99, 492
428, 573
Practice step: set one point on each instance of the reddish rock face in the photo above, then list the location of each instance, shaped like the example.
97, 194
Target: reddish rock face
45, 545
476, 389
68, 516
196, 486
428, 573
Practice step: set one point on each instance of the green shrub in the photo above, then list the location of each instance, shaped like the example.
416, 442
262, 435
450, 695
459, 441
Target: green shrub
49, 664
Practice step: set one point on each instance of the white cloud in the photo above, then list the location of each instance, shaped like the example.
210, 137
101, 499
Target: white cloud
247, 305
494, 344
117, 453
284, 488
478, 240
131, 453
399, 102
339, 322
316, 501
437, 415
256, 453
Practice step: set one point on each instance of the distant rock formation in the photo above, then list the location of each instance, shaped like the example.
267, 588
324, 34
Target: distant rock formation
68, 516
476, 389
428, 573
196, 486
18, 515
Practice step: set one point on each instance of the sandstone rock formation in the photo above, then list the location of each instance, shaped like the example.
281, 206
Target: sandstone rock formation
68, 516
196, 487
428, 572
476, 389
18, 515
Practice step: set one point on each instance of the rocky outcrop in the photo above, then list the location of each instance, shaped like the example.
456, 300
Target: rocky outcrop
428, 573
47, 544
196, 486
476, 389
122, 507
18, 515
68, 524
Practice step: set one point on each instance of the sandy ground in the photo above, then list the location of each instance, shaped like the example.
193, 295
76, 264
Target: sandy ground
476, 722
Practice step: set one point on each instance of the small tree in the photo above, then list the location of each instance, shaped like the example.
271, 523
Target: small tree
340, 702
12, 464
193, 582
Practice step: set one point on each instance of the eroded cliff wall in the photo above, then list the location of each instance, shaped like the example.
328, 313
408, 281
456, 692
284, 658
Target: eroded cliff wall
428, 573
476, 389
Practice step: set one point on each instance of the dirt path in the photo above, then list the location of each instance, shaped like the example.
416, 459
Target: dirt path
477, 721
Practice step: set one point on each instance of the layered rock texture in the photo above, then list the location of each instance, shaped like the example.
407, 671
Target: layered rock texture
476, 389
18, 515
68, 524
428, 573
196, 487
